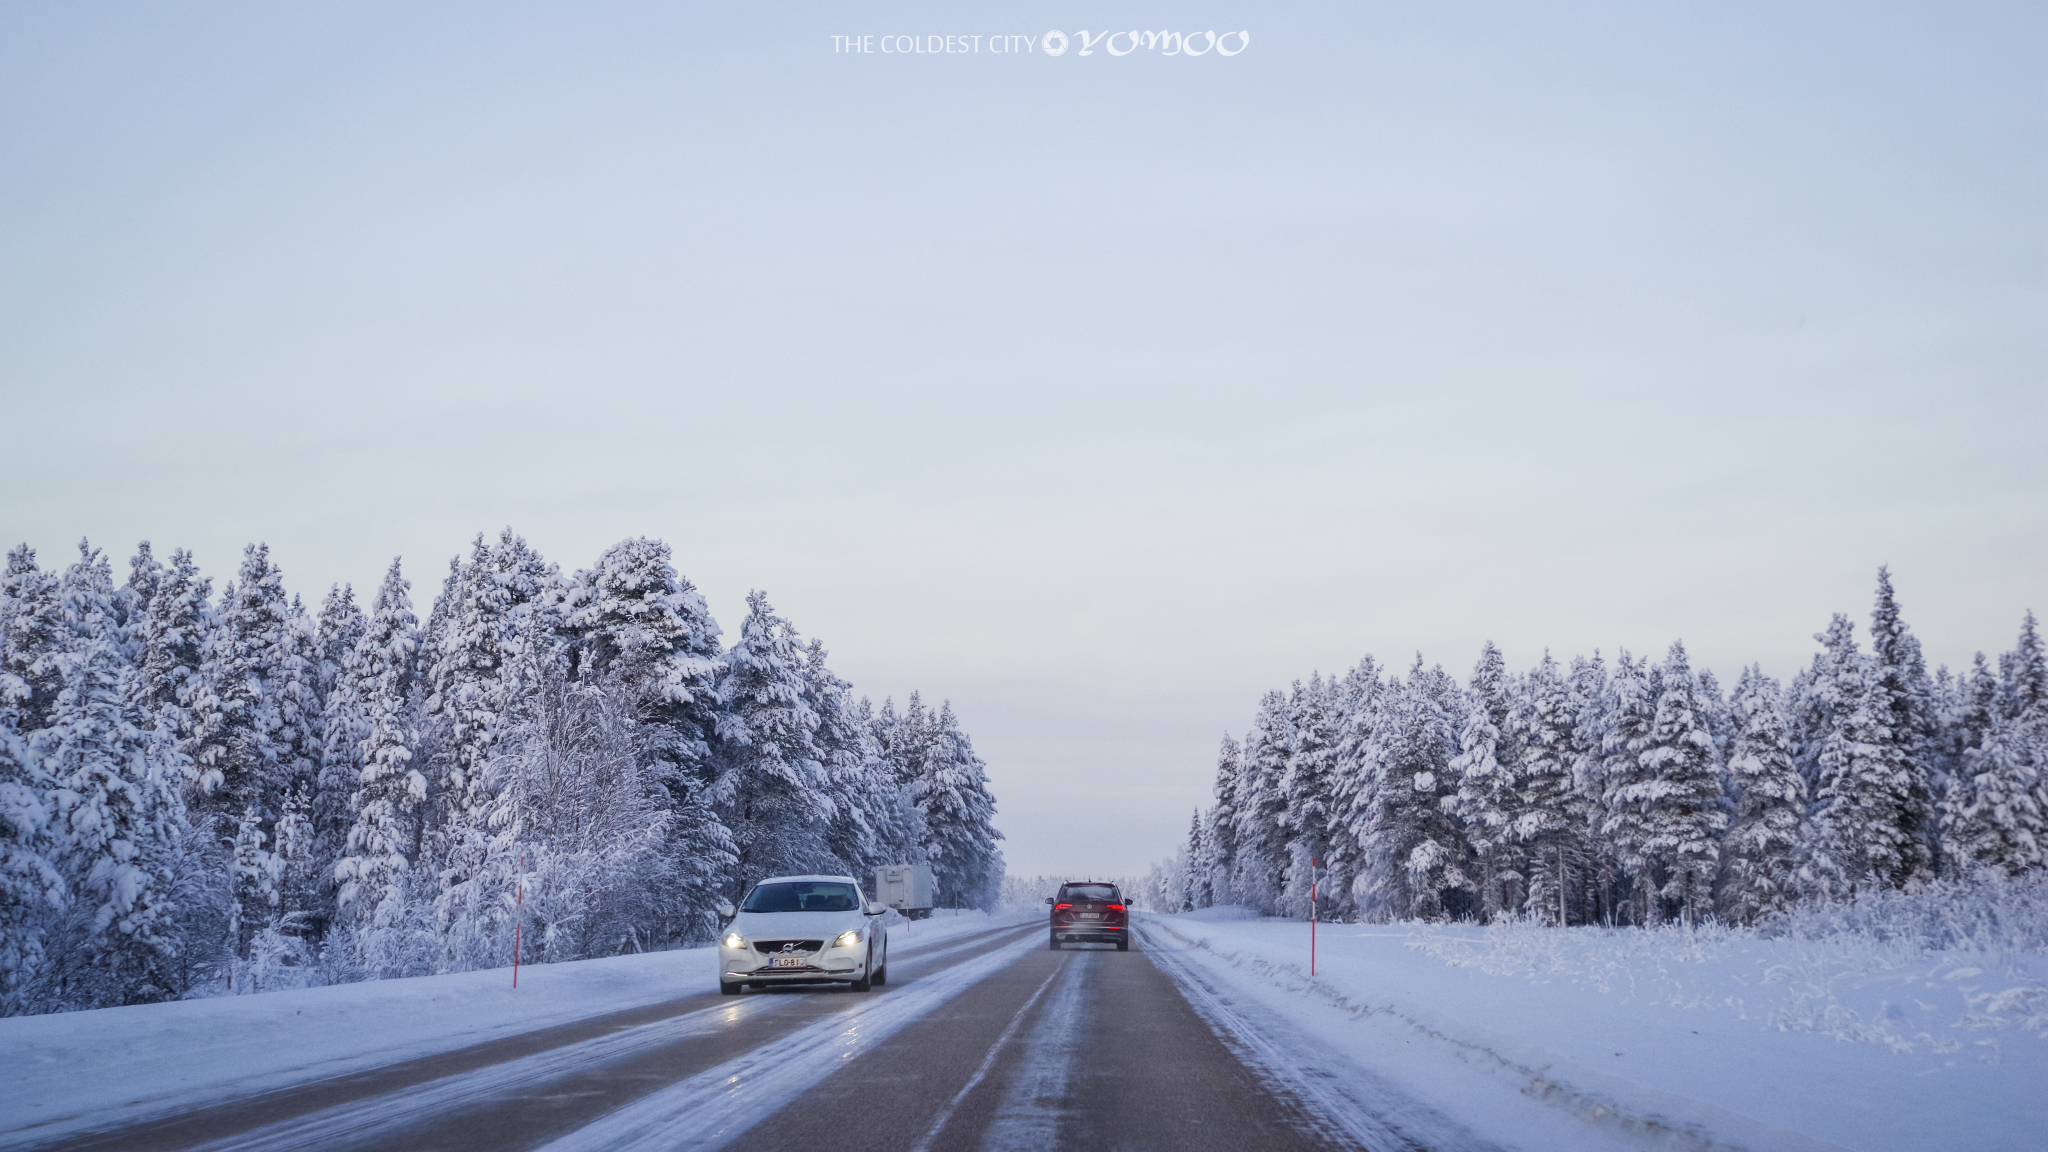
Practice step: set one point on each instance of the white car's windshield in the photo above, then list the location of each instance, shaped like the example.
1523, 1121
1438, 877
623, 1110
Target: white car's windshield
802, 896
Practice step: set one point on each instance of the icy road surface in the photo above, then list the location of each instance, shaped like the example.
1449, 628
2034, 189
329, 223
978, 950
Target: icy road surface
1206, 1035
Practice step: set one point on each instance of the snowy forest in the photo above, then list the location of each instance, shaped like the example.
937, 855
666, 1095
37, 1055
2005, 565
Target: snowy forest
1631, 794
203, 794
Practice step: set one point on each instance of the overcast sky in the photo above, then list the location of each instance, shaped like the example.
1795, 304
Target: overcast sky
1095, 393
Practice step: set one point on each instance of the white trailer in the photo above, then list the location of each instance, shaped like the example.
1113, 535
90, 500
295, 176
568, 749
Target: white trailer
905, 887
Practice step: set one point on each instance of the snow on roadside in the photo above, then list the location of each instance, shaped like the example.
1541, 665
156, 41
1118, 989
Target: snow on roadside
1671, 1039
126, 1063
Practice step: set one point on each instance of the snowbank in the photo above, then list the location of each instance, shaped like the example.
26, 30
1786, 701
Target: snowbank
1682, 1039
117, 1063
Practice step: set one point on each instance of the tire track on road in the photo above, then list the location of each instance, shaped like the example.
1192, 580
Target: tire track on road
367, 1108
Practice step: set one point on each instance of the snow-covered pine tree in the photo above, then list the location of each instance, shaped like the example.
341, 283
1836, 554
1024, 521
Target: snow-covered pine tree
870, 816
1307, 786
1993, 820
1995, 811
1415, 859
1901, 700
32, 891
114, 807
1630, 731
1220, 842
632, 619
1261, 859
1485, 797
1760, 853
1680, 793
1194, 891
236, 729
171, 638
255, 717
1589, 695
145, 575
893, 819
959, 814
1553, 815
1865, 829
2023, 673
769, 789
390, 790
501, 603
1350, 792
31, 638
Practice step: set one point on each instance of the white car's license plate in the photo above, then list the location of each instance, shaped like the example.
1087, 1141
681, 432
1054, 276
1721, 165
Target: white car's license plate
789, 962
1091, 915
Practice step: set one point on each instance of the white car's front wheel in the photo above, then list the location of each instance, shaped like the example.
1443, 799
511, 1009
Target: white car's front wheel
866, 980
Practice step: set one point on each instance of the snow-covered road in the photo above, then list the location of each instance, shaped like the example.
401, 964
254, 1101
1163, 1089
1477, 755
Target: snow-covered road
1209, 1034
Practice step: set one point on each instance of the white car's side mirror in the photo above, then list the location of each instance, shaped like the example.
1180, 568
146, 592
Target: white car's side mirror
877, 912
727, 910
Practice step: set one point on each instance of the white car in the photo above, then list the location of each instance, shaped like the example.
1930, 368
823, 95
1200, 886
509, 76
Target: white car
803, 930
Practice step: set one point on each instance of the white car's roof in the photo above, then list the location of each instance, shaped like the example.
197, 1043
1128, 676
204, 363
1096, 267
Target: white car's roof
784, 879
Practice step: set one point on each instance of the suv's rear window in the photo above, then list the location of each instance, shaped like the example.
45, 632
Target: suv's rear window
802, 896
1102, 892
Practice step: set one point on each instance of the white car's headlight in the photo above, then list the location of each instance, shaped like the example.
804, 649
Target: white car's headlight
847, 939
734, 940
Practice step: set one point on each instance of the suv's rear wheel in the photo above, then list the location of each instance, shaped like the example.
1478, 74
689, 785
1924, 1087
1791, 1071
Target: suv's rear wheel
1123, 945
1055, 944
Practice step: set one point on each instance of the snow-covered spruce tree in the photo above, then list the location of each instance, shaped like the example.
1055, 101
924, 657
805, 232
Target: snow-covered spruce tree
1416, 862
1307, 786
1864, 829
872, 820
1261, 859
490, 621
1220, 842
1625, 829
32, 635
32, 892
575, 814
337, 631
2023, 673
390, 790
633, 619
1760, 853
1553, 815
1486, 798
1679, 792
769, 789
170, 638
892, 816
251, 737
959, 815
114, 808
1350, 791
1993, 818
1194, 887
1901, 698
1589, 694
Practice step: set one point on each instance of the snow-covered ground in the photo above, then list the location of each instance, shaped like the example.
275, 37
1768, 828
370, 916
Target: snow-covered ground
1531, 1037
61, 1071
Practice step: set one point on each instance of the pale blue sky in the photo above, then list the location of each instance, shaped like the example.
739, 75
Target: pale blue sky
1097, 394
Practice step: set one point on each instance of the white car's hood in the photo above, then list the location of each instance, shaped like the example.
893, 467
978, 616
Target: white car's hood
796, 925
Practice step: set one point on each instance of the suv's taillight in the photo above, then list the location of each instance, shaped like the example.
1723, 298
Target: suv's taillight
1116, 907
1061, 907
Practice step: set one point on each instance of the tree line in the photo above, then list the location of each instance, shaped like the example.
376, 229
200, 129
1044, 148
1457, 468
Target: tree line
201, 793
1635, 793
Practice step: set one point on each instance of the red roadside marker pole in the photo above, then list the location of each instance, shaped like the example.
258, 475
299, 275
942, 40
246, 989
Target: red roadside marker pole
518, 901
1311, 917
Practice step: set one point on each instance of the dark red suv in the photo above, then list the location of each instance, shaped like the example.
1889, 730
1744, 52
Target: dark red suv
1087, 910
